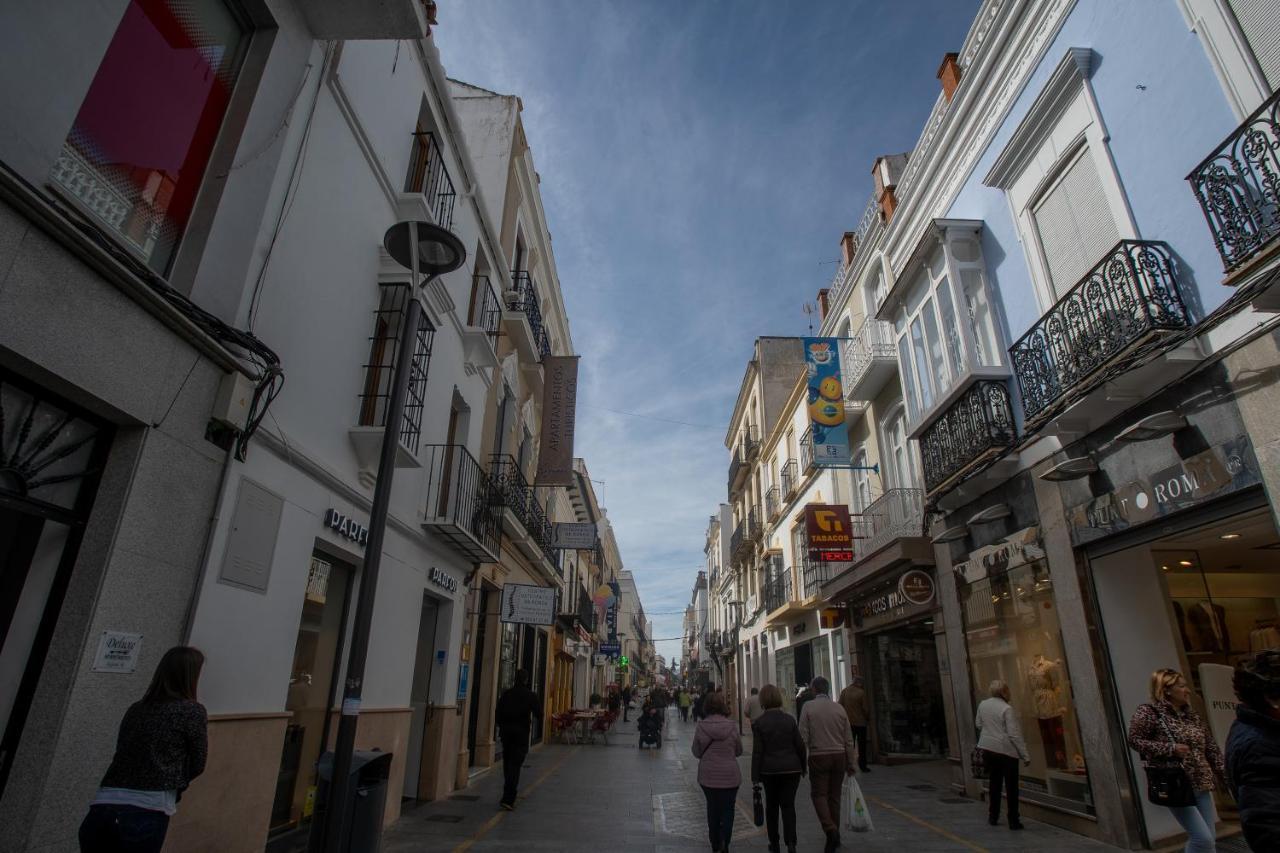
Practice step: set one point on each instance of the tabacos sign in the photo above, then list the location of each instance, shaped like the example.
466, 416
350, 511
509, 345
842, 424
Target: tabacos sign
830, 533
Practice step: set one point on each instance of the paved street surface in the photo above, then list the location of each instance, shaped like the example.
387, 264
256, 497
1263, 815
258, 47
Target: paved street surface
620, 799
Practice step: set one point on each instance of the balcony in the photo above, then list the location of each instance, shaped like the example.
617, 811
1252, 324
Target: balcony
525, 521
744, 535
972, 431
815, 574
790, 479
807, 462
522, 314
1128, 301
457, 508
897, 514
868, 360
745, 451
484, 322
754, 528
1238, 187
389, 19
778, 591
429, 183
773, 503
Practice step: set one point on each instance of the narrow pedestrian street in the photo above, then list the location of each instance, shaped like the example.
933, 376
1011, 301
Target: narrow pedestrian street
649, 800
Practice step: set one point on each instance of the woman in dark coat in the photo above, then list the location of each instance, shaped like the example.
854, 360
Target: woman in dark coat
161, 747
778, 760
1253, 750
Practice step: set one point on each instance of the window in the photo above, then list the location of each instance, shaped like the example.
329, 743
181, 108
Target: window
1073, 224
138, 150
1248, 67
379, 371
861, 482
900, 466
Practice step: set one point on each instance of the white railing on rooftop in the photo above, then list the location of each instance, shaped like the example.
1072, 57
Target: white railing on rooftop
868, 227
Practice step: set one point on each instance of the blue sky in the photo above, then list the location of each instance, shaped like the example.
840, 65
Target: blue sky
699, 161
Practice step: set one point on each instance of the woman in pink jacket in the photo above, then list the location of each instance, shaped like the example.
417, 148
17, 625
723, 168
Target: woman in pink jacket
717, 745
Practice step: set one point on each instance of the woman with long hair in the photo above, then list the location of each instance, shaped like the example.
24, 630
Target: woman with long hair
1166, 732
161, 747
778, 760
717, 745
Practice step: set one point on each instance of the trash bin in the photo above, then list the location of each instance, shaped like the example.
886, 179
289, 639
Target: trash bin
366, 801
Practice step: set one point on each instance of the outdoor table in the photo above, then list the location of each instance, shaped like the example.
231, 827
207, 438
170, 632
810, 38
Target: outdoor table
584, 720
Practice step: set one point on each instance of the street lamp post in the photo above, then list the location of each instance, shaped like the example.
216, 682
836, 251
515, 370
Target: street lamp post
423, 248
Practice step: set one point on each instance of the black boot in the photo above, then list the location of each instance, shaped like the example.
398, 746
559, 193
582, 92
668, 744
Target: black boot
833, 842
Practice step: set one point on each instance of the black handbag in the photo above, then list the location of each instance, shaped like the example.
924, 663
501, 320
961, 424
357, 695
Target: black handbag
757, 806
978, 761
1168, 784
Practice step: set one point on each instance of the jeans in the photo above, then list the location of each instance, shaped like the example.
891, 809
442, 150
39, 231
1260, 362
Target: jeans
1198, 821
123, 829
720, 805
860, 738
684, 713
826, 783
514, 753
780, 794
1003, 770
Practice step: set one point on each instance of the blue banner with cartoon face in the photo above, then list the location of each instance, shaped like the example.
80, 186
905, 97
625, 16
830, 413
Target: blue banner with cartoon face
826, 402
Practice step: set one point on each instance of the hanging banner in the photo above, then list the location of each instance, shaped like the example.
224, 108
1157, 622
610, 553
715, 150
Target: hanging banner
830, 533
826, 402
559, 411
527, 604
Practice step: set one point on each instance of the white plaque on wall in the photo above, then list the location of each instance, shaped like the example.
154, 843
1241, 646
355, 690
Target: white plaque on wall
528, 604
117, 652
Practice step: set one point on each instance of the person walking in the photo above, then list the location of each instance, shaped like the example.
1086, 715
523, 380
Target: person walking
754, 708
626, 703
1000, 739
803, 694
684, 700
778, 761
698, 698
854, 701
1253, 750
1167, 731
717, 745
162, 745
824, 726
517, 706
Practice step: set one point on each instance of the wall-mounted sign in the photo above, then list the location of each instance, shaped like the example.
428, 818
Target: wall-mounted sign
826, 402
346, 527
1014, 550
916, 587
559, 411
574, 536
117, 652
528, 605
1218, 471
601, 660
913, 594
611, 650
830, 533
463, 670
443, 579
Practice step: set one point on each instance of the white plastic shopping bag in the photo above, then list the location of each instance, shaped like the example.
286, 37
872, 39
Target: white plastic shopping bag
854, 807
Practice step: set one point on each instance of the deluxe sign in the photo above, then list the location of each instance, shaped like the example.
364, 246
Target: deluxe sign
830, 532
346, 527
528, 605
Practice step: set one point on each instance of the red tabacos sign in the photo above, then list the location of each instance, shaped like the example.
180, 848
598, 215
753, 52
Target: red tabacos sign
830, 533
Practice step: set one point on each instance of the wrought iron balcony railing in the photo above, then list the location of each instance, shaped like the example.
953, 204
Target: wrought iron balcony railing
815, 575
897, 514
868, 226
1128, 298
485, 311
974, 428
872, 342
379, 370
508, 487
790, 478
777, 591
1238, 187
773, 503
458, 508
744, 450
523, 297
754, 527
806, 452
428, 175
737, 539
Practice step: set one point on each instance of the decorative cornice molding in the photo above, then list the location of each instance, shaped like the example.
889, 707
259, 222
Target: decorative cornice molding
1064, 84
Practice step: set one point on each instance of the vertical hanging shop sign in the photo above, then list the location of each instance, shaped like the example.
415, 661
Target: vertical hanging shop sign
826, 402
830, 533
559, 411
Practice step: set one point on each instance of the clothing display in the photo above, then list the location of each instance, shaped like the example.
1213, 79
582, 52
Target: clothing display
1206, 629
1261, 639
1045, 679
1053, 735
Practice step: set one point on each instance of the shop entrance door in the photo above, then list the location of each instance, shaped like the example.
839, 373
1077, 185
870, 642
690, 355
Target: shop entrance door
477, 677
316, 657
906, 692
416, 758
804, 664
785, 664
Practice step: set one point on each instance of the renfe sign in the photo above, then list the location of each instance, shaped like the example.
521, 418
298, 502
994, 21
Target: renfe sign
830, 533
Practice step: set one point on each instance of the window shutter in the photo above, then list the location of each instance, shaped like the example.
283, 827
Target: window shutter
1075, 225
1260, 21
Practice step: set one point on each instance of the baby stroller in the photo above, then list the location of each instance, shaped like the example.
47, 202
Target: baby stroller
650, 726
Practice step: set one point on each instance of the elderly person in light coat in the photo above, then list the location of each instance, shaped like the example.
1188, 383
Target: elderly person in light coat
1000, 739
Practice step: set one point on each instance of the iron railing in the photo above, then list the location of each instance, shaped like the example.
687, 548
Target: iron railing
379, 370
746, 448
1127, 297
789, 477
815, 575
897, 514
754, 527
485, 311
843, 280
509, 488
806, 451
428, 175
872, 340
736, 540
977, 424
523, 297
1238, 187
458, 496
777, 590
773, 502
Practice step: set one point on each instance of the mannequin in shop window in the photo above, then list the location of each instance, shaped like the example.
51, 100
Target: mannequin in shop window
1045, 677
1206, 628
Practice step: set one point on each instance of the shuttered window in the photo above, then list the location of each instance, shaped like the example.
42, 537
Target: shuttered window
1074, 223
1260, 21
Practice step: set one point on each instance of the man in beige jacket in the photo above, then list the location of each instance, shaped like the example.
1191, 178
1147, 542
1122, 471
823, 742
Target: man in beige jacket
825, 728
854, 701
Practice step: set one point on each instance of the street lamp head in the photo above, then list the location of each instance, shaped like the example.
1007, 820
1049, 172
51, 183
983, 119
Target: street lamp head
439, 251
